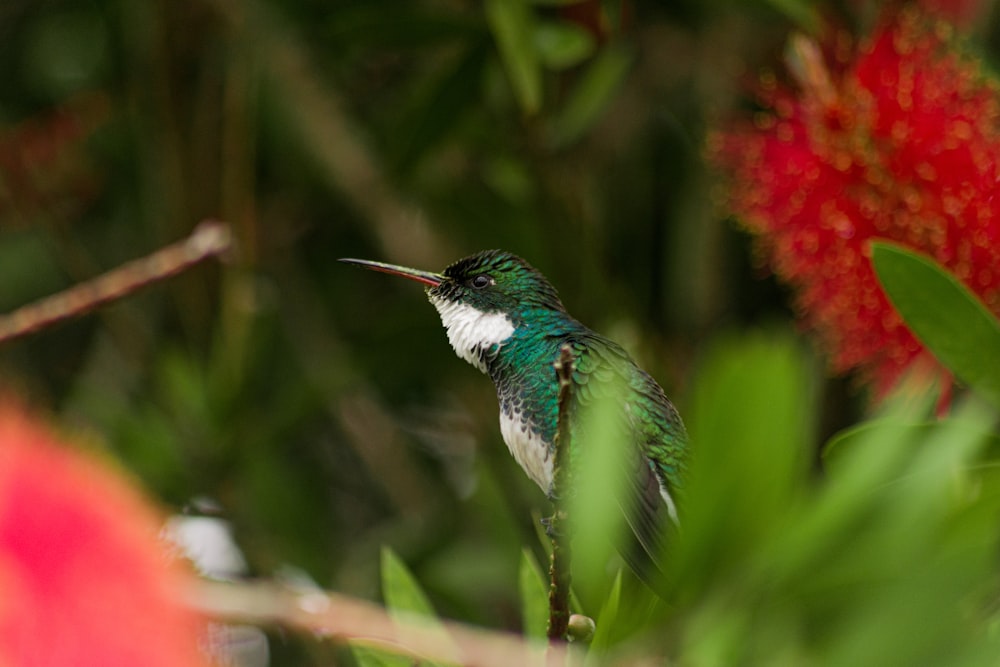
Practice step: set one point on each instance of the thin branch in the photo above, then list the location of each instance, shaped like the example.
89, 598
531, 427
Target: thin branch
559, 569
209, 239
348, 619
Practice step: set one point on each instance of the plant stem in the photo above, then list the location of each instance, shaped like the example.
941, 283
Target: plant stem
559, 570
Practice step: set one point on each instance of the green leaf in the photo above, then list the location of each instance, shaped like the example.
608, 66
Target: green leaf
512, 22
894, 476
562, 45
799, 11
400, 589
599, 483
843, 442
947, 318
591, 95
406, 600
749, 414
367, 656
603, 636
534, 596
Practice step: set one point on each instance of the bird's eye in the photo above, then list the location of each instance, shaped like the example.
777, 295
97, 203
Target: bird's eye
481, 281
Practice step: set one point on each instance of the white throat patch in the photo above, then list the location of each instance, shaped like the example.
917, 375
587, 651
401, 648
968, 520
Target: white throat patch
471, 330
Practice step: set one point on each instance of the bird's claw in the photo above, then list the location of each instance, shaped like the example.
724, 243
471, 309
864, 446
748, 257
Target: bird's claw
553, 526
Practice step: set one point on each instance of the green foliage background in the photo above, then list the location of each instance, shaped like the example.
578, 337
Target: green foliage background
321, 408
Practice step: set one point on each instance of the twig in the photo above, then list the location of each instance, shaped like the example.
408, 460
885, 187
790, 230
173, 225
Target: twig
209, 239
348, 619
559, 569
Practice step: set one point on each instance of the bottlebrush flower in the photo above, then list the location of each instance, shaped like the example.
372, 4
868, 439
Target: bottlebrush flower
84, 580
897, 138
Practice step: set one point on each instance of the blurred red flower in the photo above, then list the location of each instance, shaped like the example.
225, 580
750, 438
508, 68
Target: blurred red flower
897, 137
84, 579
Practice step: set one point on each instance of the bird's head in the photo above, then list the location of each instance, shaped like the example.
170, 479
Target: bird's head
481, 298
491, 281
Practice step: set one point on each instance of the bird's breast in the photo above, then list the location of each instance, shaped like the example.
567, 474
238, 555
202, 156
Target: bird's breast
527, 447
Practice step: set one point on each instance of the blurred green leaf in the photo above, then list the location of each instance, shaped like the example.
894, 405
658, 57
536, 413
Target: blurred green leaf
534, 596
591, 95
513, 25
406, 600
562, 45
801, 12
902, 543
859, 434
839, 446
774, 567
367, 656
949, 319
607, 618
400, 589
600, 482
750, 415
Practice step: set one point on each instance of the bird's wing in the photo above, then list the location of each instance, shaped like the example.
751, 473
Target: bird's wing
605, 372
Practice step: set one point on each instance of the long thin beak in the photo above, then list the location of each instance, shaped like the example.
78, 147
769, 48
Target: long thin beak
425, 277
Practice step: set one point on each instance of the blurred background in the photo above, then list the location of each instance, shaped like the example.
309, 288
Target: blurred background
316, 407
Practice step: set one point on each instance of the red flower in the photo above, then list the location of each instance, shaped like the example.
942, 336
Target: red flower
84, 579
900, 139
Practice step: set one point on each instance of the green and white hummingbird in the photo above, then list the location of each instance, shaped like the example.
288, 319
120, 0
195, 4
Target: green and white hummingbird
506, 319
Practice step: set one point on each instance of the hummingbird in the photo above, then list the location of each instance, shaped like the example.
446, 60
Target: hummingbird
506, 319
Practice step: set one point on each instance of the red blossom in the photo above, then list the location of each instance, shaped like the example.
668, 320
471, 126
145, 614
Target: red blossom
84, 579
898, 139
